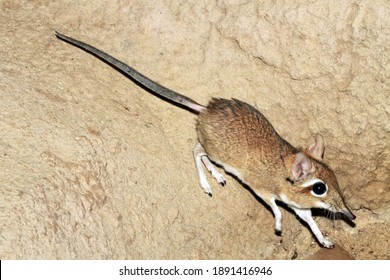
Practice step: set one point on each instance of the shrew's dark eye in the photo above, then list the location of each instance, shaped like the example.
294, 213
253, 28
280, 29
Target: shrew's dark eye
319, 188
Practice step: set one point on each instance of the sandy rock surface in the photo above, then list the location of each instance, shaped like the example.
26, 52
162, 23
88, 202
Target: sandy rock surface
94, 167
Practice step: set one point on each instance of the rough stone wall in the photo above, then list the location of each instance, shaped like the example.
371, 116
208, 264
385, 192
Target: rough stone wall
94, 167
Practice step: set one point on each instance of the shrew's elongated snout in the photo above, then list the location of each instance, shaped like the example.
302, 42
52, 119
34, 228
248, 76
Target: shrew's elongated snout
348, 213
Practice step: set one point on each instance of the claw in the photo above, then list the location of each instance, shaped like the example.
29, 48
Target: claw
327, 244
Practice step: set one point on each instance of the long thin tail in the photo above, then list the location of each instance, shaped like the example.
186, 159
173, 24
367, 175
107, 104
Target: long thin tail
130, 72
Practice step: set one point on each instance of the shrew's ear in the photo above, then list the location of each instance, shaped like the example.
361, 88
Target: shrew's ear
301, 167
316, 150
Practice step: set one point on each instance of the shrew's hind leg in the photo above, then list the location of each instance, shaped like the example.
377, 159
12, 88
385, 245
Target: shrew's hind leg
201, 157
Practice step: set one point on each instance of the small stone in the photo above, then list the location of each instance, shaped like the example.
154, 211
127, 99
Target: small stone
336, 253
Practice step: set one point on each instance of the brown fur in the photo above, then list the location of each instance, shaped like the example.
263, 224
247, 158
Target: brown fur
234, 133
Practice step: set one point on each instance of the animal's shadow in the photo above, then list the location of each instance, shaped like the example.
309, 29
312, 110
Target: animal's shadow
316, 212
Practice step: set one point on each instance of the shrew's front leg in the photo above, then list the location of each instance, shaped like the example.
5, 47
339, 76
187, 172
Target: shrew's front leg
305, 214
